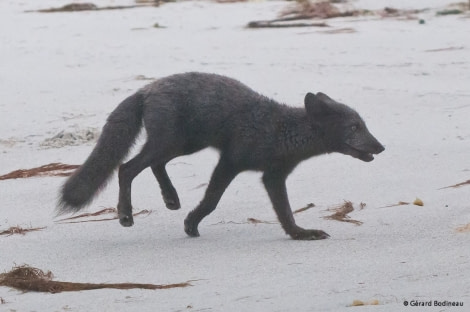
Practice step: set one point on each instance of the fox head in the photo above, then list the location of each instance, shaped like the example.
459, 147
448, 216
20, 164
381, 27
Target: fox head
341, 127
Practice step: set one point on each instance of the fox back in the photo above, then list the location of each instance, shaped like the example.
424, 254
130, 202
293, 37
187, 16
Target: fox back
200, 110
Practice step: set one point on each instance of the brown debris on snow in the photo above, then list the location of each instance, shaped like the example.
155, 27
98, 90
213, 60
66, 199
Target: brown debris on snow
72, 7
256, 221
456, 185
19, 230
400, 203
445, 49
52, 169
277, 23
307, 10
230, 1
99, 213
77, 7
91, 214
26, 278
308, 206
346, 30
463, 228
248, 221
416, 202
341, 213
357, 303
392, 12
303, 10
322, 10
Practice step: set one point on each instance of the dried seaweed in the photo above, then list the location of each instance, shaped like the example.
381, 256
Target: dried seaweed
304, 10
416, 202
456, 185
392, 12
78, 7
449, 12
357, 303
144, 78
26, 278
91, 214
228, 222
307, 10
310, 205
341, 213
445, 49
52, 169
248, 221
277, 23
321, 10
200, 186
346, 30
99, 213
400, 203
463, 228
230, 1
256, 221
19, 230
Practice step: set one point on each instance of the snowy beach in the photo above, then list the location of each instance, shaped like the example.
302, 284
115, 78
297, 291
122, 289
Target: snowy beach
408, 76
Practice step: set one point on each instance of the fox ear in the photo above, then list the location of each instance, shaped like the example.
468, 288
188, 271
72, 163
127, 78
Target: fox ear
324, 98
318, 105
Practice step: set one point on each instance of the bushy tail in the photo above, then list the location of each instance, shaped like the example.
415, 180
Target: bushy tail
117, 137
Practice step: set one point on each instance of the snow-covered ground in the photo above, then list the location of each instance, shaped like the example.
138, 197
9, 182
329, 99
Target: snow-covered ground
65, 72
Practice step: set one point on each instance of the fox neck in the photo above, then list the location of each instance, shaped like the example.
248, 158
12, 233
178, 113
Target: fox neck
299, 137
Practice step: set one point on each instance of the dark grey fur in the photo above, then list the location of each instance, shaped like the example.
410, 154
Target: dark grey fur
188, 112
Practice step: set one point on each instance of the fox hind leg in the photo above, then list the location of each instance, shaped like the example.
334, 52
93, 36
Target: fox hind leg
127, 173
169, 194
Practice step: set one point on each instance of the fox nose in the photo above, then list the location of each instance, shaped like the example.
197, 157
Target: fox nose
380, 149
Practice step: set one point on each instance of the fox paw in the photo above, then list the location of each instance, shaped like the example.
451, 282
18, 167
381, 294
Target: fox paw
190, 229
172, 204
309, 235
126, 221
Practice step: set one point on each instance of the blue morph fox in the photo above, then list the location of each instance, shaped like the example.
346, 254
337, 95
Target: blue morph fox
185, 113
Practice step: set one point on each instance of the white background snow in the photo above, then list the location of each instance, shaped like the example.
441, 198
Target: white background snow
67, 72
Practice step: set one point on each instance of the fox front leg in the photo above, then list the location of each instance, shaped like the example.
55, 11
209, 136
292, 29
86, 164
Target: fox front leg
275, 184
223, 174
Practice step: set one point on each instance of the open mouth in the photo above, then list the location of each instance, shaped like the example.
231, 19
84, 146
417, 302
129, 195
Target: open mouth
357, 153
